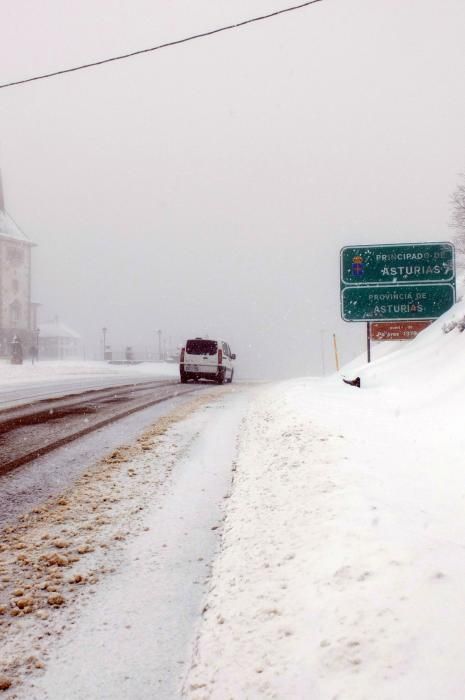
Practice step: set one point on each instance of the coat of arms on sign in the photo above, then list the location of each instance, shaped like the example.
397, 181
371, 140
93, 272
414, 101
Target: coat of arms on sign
358, 267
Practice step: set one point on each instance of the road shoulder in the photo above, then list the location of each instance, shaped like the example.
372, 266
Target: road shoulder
341, 570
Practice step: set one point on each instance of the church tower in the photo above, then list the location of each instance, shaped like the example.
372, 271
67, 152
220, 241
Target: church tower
16, 310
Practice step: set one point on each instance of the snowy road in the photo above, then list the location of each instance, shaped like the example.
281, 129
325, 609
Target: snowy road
32, 392
46, 476
142, 620
28, 383
29, 431
341, 564
140, 532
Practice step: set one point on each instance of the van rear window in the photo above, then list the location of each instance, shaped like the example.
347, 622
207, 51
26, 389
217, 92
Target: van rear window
201, 347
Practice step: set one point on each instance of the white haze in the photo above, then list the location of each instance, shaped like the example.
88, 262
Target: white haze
208, 188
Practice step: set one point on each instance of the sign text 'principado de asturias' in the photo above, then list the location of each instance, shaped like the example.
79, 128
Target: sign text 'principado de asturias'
397, 264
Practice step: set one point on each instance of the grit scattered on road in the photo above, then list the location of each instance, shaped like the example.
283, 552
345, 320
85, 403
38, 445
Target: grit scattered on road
60, 551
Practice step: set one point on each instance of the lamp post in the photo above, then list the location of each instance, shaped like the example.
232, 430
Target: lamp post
104, 331
37, 344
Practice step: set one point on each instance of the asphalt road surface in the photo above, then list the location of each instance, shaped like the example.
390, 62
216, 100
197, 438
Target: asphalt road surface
45, 446
29, 392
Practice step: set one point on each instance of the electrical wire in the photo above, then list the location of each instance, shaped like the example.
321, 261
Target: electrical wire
161, 46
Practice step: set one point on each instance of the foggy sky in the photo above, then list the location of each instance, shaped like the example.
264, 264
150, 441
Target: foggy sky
208, 188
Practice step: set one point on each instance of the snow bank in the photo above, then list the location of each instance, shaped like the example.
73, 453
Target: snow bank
424, 371
46, 371
343, 547
343, 560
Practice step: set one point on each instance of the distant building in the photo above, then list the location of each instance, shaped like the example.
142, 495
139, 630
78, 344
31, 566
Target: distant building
58, 342
18, 316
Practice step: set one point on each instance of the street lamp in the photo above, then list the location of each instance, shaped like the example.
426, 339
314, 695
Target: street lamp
159, 344
104, 331
37, 344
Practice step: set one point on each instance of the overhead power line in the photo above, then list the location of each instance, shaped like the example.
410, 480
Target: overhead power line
168, 44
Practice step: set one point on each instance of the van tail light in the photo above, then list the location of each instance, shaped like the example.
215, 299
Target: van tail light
183, 352
220, 357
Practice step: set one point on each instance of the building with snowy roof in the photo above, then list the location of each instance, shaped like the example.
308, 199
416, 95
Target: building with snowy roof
17, 312
58, 341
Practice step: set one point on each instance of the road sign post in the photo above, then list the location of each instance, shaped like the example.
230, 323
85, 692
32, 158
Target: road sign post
368, 341
396, 282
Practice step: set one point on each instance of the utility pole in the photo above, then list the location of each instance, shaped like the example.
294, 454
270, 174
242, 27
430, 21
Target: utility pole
37, 343
104, 331
159, 345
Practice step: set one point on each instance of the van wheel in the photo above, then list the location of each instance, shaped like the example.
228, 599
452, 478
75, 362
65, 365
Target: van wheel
220, 377
183, 378
231, 377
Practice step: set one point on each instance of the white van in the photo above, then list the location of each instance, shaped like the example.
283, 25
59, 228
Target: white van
204, 358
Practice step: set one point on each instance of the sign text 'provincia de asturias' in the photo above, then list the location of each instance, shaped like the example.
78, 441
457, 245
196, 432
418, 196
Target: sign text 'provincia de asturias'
396, 302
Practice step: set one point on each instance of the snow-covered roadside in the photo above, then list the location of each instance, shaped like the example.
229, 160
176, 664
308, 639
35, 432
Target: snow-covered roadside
343, 557
79, 575
47, 371
343, 549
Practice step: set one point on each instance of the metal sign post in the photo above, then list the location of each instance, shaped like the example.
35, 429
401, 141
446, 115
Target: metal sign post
396, 283
368, 342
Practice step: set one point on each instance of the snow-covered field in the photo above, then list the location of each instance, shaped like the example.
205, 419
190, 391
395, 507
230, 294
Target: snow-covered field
342, 560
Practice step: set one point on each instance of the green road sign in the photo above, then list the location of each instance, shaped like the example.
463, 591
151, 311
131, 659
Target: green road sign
396, 302
398, 264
